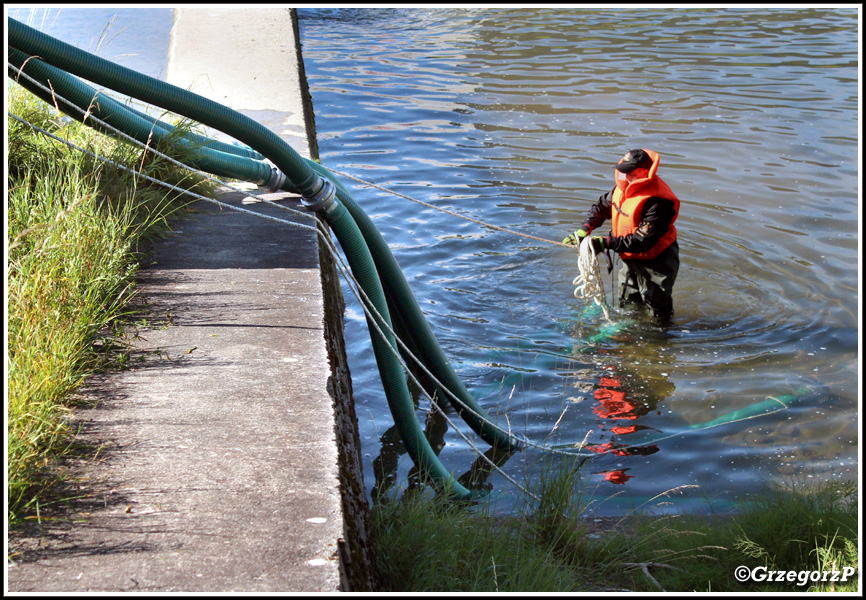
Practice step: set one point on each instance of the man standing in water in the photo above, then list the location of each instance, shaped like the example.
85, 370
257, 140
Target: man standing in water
642, 210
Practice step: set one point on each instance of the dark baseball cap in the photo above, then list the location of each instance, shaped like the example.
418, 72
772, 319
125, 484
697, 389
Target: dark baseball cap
635, 159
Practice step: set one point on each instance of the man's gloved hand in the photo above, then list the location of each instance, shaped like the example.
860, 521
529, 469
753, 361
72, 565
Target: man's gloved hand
598, 244
575, 238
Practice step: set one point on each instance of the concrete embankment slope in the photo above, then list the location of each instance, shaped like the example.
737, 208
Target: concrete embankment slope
224, 459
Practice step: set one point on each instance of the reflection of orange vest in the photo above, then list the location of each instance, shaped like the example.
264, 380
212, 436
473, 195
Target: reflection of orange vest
627, 205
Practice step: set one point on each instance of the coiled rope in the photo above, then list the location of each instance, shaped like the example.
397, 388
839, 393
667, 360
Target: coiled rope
589, 283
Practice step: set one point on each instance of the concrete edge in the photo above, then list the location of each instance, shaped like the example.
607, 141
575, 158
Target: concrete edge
359, 571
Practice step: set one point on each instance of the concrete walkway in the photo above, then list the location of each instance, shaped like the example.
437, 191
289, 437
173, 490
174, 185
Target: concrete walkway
223, 459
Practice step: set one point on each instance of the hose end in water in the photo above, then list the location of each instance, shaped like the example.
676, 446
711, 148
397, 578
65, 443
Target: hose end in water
323, 200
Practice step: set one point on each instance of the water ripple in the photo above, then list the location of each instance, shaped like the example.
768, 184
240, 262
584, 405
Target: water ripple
516, 116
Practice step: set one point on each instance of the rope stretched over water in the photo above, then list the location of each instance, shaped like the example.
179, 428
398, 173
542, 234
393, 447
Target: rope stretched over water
589, 283
447, 212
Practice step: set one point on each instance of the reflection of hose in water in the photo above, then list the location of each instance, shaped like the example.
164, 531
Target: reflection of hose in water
768, 406
392, 447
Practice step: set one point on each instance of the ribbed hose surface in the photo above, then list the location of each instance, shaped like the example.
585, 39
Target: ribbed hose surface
159, 93
406, 311
390, 370
202, 140
129, 122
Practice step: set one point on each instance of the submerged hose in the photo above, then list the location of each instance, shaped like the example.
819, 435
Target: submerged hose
391, 372
769, 405
421, 340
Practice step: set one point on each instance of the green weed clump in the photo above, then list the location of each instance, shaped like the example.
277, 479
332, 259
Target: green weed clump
426, 546
798, 528
74, 227
552, 545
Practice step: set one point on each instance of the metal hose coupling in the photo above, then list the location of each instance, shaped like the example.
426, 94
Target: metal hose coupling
277, 179
325, 199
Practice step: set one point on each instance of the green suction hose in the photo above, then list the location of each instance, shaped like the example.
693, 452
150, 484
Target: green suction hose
201, 140
390, 370
87, 99
422, 341
172, 98
298, 170
401, 327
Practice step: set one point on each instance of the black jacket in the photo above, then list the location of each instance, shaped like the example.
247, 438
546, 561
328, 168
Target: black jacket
658, 213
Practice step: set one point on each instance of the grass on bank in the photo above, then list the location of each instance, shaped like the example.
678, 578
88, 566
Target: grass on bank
74, 227
427, 545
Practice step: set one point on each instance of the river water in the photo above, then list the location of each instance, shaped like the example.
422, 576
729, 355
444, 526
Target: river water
516, 117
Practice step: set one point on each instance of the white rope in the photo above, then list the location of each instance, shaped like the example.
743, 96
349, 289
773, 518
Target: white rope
589, 283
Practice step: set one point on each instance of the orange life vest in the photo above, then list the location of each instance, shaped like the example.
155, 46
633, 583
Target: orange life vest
627, 205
